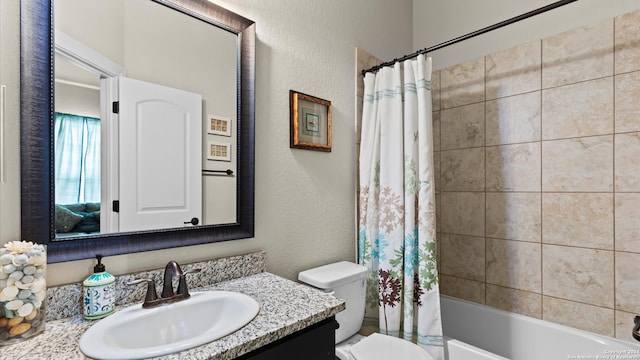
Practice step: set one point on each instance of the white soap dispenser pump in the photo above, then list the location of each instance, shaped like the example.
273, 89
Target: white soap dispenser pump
99, 291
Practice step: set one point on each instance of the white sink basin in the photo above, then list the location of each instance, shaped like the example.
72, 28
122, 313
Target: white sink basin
136, 333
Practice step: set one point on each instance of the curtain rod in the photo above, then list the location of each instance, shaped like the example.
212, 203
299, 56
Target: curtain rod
527, 15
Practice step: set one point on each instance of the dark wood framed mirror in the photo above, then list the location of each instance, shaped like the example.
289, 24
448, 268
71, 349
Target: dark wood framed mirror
36, 141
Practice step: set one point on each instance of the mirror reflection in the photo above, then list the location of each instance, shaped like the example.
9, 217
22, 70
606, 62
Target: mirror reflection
37, 208
145, 119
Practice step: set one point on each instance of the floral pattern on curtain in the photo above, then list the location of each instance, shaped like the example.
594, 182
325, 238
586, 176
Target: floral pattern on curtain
397, 203
77, 158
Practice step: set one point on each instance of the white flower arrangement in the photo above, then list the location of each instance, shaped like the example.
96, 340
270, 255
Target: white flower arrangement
20, 247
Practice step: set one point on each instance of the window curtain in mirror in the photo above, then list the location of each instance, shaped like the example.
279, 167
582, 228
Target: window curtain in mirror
77, 159
397, 234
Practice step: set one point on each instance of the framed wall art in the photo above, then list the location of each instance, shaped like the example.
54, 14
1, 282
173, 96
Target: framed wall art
218, 151
310, 126
218, 125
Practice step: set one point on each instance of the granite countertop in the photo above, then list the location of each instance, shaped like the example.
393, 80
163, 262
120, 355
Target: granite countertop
285, 307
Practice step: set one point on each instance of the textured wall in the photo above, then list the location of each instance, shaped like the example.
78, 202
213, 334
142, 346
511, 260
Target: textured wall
305, 200
10, 78
539, 177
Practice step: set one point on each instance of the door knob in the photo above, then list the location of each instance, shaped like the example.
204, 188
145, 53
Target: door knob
193, 221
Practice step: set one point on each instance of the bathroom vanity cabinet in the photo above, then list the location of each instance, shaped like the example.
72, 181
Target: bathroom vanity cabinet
317, 342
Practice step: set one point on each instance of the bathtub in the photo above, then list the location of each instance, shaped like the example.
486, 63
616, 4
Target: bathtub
477, 332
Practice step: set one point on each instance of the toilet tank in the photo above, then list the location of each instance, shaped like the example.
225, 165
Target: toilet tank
346, 281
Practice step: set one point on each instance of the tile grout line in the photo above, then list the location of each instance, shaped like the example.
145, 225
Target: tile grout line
484, 232
615, 334
541, 180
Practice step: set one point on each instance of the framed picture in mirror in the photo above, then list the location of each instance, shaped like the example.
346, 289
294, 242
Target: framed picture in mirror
219, 151
310, 126
219, 125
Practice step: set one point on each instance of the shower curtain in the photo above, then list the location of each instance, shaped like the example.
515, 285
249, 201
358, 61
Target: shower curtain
397, 231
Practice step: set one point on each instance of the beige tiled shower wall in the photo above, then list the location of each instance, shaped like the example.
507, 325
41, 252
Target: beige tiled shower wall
538, 156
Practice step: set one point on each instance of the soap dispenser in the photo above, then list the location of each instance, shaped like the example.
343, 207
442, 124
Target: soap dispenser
99, 291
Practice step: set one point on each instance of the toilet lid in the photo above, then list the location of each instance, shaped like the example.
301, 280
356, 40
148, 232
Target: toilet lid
383, 347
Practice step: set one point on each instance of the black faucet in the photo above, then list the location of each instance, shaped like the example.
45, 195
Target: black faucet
636, 328
168, 295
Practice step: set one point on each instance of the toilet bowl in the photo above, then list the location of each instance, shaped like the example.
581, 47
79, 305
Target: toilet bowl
346, 281
379, 347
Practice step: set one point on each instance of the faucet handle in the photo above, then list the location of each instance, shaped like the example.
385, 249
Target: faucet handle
151, 289
182, 283
636, 328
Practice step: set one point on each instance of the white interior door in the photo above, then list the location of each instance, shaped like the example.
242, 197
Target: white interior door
160, 156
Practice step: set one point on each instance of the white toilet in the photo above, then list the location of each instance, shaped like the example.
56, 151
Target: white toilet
346, 281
